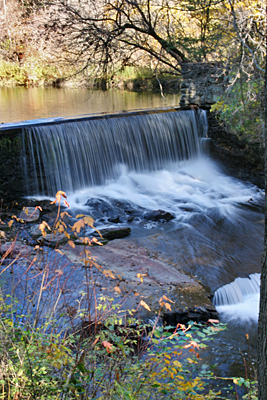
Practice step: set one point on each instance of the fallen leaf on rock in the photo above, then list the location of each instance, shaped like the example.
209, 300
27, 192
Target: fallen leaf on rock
143, 304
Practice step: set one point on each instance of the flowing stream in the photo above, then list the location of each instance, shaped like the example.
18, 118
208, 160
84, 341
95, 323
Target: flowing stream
115, 167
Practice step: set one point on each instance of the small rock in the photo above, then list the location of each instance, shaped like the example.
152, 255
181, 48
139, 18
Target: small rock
115, 233
116, 220
158, 215
55, 240
29, 214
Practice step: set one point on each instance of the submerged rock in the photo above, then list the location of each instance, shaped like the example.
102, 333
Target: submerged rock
158, 215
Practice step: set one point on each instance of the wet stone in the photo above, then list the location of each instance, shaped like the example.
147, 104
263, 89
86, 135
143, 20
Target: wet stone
115, 233
158, 215
29, 214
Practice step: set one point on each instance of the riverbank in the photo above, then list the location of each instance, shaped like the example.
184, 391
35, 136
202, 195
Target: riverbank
240, 158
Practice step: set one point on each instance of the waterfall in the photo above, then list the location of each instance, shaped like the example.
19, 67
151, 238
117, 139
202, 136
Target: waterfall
76, 154
239, 299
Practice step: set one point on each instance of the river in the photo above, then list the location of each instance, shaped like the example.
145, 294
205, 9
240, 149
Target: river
217, 233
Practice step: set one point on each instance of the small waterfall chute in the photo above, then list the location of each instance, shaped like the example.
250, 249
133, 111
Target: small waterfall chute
235, 292
240, 298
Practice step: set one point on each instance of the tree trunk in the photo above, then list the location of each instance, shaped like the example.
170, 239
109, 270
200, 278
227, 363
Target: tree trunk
262, 327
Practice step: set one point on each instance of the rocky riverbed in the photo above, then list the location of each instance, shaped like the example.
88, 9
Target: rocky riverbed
71, 271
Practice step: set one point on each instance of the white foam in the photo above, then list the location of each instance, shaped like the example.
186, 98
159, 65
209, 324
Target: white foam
247, 310
195, 187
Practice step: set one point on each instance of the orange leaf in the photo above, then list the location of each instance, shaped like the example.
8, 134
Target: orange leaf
60, 193
66, 203
108, 273
166, 298
71, 243
117, 289
107, 345
143, 304
168, 306
95, 342
59, 271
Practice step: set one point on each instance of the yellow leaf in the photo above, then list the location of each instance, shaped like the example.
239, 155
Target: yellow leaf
66, 234
177, 364
2, 234
71, 243
140, 276
10, 223
26, 210
61, 229
79, 216
143, 304
60, 252
78, 226
89, 221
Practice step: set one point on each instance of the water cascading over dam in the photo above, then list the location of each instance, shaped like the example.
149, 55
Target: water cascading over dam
73, 155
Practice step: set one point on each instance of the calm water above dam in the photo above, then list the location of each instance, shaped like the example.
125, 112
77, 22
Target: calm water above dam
20, 104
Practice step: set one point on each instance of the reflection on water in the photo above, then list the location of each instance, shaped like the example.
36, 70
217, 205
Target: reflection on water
20, 104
